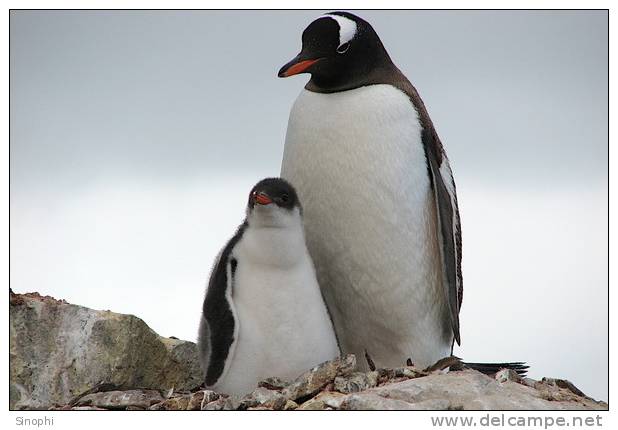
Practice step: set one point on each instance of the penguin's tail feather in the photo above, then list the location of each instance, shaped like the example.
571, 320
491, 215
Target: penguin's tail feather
490, 368
455, 363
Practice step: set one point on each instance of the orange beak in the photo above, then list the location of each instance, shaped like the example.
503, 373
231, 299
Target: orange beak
295, 67
262, 199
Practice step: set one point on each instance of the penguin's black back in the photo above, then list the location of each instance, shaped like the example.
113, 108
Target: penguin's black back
217, 310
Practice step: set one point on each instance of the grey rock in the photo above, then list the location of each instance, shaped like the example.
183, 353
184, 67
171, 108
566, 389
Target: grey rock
273, 383
563, 383
65, 407
504, 375
67, 357
134, 408
290, 405
528, 382
323, 401
59, 350
121, 399
561, 390
386, 375
471, 390
432, 405
263, 397
312, 381
94, 408
373, 402
356, 382
176, 403
195, 401
209, 396
221, 404
409, 372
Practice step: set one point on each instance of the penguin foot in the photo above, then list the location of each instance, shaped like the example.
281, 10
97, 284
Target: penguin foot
451, 362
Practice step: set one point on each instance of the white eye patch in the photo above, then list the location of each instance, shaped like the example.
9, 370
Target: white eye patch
347, 28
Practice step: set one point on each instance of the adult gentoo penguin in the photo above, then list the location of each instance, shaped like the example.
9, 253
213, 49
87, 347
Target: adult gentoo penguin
381, 216
263, 314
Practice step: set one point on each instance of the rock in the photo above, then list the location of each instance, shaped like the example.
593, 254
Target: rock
94, 408
561, 390
195, 401
432, 405
324, 400
290, 405
263, 397
59, 350
504, 375
121, 399
184, 356
408, 372
563, 383
528, 382
67, 408
67, 357
276, 403
133, 408
177, 403
373, 402
312, 381
273, 383
209, 396
221, 404
387, 375
356, 382
472, 390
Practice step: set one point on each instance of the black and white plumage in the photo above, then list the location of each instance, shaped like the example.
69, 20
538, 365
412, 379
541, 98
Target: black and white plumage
263, 314
381, 218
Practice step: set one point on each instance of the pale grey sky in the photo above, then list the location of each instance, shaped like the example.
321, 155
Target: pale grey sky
135, 137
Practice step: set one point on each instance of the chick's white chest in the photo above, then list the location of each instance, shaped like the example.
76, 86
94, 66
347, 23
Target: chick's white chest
283, 324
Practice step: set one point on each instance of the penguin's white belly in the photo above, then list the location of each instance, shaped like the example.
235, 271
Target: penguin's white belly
358, 163
284, 327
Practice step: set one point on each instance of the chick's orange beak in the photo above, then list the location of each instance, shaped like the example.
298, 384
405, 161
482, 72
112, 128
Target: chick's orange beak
262, 199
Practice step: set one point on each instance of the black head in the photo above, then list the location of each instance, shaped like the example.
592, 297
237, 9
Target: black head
274, 191
341, 51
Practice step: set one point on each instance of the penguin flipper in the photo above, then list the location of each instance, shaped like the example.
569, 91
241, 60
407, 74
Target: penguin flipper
219, 326
449, 227
445, 197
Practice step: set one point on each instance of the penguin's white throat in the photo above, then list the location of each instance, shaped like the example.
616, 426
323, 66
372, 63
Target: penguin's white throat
275, 237
272, 216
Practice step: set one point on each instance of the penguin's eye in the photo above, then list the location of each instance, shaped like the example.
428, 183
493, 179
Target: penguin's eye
285, 198
343, 48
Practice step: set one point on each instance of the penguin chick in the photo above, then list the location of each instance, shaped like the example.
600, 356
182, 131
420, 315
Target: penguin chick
263, 314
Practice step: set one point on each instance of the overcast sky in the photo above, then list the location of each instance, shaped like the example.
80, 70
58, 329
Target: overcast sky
136, 136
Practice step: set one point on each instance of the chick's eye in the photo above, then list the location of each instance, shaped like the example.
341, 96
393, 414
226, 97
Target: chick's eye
285, 198
343, 48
